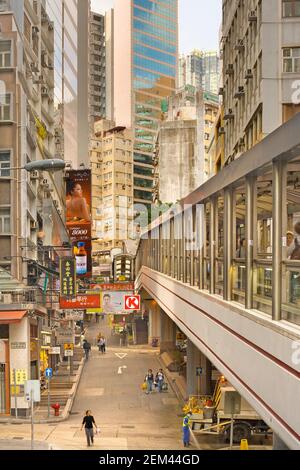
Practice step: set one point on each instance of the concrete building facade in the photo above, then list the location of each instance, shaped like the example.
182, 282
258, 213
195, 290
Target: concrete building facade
182, 141
32, 204
146, 50
260, 48
111, 158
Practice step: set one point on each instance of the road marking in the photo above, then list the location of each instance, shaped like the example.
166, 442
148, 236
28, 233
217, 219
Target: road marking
120, 369
121, 355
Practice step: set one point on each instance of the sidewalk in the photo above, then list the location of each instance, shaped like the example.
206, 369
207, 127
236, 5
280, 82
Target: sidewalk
63, 388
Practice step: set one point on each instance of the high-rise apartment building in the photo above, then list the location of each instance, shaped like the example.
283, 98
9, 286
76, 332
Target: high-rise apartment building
111, 158
32, 204
200, 69
71, 32
261, 57
145, 54
97, 68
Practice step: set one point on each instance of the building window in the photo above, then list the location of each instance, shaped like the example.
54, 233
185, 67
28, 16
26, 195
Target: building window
5, 53
291, 59
4, 220
291, 8
5, 107
4, 163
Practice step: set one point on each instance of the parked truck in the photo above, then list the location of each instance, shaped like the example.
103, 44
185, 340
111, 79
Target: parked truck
211, 418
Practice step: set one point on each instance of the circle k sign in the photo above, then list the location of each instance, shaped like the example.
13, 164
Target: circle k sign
132, 302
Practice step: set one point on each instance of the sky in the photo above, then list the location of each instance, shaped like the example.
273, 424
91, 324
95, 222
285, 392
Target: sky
200, 21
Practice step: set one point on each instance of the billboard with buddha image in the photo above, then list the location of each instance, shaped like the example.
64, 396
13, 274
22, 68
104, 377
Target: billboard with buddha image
79, 218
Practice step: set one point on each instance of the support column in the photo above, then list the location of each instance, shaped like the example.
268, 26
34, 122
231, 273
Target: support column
154, 322
198, 385
213, 213
227, 244
167, 332
277, 242
278, 443
250, 204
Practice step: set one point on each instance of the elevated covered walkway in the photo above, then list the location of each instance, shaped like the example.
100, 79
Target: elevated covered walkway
222, 266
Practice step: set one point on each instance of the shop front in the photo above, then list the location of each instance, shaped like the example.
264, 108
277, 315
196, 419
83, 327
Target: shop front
4, 370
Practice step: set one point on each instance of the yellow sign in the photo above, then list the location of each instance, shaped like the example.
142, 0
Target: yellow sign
15, 390
68, 346
21, 376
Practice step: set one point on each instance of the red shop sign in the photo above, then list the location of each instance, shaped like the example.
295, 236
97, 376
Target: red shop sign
81, 301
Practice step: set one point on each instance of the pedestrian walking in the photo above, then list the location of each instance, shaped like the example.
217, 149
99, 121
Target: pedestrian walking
102, 345
87, 348
159, 380
88, 423
149, 379
186, 429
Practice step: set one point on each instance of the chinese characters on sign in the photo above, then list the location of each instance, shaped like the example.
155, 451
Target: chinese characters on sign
81, 302
21, 376
68, 277
79, 225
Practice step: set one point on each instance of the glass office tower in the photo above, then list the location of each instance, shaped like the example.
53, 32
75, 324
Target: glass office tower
146, 60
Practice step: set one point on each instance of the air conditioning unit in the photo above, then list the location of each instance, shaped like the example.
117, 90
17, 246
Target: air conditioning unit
249, 74
44, 91
240, 92
221, 131
35, 31
229, 114
230, 69
34, 175
34, 66
252, 16
221, 91
33, 225
7, 299
240, 45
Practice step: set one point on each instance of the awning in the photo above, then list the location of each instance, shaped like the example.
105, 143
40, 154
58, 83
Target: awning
9, 316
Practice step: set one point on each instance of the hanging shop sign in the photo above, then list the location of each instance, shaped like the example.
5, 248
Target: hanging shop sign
81, 302
64, 335
74, 315
54, 350
67, 272
21, 376
78, 213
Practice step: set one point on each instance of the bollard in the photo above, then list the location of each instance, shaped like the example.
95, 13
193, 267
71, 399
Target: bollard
244, 444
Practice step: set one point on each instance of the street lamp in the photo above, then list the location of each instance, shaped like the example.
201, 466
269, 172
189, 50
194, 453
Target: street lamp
42, 165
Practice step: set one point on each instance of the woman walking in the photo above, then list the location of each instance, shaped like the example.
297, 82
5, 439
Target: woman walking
88, 423
149, 379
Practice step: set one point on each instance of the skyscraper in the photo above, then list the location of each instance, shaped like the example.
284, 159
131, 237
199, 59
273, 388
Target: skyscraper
70, 19
200, 69
146, 61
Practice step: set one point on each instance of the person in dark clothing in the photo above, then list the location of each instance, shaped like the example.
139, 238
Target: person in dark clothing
87, 347
149, 379
88, 423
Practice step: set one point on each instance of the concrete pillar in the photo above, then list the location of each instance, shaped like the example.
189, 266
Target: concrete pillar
278, 443
198, 385
167, 332
154, 321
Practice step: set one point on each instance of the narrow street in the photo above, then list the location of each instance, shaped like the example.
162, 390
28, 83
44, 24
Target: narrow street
126, 416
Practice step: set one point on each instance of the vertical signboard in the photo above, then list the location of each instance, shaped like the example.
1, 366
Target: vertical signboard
67, 271
78, 205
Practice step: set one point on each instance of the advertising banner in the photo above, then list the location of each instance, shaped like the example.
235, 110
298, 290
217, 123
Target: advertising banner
67, 273
79, 224
80, 302
129, 286
112, 302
